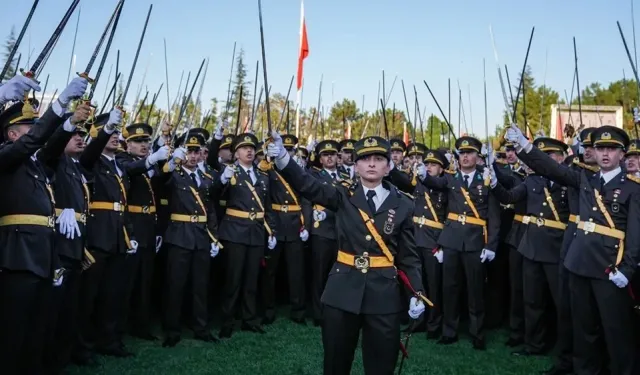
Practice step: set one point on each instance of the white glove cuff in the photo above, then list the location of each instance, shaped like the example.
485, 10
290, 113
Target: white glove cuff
282, 162
68, 126
58, 108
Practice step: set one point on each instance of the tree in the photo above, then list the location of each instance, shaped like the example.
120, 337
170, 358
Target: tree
8, 47
240, 81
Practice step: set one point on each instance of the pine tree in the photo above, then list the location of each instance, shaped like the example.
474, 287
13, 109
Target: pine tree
8, 47
240, 81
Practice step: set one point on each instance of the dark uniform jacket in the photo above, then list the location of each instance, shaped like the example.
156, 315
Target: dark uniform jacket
377, 291
26, 191
465, 236
287, 208
246, 231
509, 179
426, 233
141, 199
591, 254
183, 201
106, 228
327, 227
70, 190
540, 243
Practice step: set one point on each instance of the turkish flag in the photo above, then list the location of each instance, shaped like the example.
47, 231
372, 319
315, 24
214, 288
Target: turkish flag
304, 46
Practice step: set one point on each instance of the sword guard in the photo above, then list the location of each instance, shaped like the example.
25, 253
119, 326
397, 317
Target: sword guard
85, 75
29, 74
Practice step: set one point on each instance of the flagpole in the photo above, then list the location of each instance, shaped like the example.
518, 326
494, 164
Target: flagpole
302, 54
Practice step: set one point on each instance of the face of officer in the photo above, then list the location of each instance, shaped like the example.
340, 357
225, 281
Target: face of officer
632, 162
205, 153
468, 160
372, 168
557, 156
434, 169
138, 147
415, 158
114, 142
245, 155
14, 132
512, 158
608, 158
347, 157
396, 157
291, 152
193, 156
329, 160
225, 155
589, 155
75, 145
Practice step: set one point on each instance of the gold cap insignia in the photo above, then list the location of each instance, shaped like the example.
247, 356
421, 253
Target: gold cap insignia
349, 144
465, 143
229, 139
247, 139
193, 140
370, 143
605, 136
633, 147
328, 146
288, 141
430, 155
396, 144
27, 111
588, 138
139, 131
541, 145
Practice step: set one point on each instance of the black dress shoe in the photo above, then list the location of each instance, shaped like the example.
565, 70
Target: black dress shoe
225, 332
317, 322
479, 344
266, 321
115, 351
444, 340
524, 353
170, 342
300, 321
555, 370
206, 337
514, 342
144, 336
432, 335
252, 328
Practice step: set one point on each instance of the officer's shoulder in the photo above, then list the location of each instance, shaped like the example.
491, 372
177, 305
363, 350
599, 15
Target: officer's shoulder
401, 194
632, 177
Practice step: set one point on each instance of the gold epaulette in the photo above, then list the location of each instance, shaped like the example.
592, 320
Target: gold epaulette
316, 168
407, 194
265, 165
503, 162
633, 178
592, 168
450, 172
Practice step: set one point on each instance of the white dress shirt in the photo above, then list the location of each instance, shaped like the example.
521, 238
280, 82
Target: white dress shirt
381, 195
113, 159
333, 173
251, 174
471, 176
608, 176
189, 172
350, 170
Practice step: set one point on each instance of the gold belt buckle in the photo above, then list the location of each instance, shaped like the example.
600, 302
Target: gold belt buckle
526, 219
145, 209
539, 221
361, 262
462, 219
589, 227
252, 215
285, 208
194, 218
51, 221
116, 206
422, 220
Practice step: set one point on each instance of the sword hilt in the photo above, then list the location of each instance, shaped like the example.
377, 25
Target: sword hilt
29, 74
85, 75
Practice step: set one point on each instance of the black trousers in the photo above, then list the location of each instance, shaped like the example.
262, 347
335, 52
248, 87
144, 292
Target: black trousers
62, 326
516, 302
141, 284
23, 320
432, 273
293, 253
185, 266
324, 252
128, 274
564, 344
101, 300
380, 341
455, 262
497, 289
599, 306
539, 280
242, 269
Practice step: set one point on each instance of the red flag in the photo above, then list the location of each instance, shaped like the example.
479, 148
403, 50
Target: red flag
304, 46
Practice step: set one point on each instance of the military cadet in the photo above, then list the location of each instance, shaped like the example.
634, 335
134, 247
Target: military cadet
140, 166
603, 255
110, 239
225, 156
375, 235
346, 166
468, 240
191, 238
632, 157
546, 217
72, 206
259, 153
324, 247
303, 154
247, 222
204, 154
28, 261
291, 233
398, 148
428, 218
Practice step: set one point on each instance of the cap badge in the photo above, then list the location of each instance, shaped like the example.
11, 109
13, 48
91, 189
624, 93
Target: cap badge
541, 145
247, 139
465, 143
605, 136
139, 131
370, 142
193, 140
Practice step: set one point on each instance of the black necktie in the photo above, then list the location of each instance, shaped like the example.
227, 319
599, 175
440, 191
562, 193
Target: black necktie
466, 180
333, 175
193, 177
372, 206
602, 182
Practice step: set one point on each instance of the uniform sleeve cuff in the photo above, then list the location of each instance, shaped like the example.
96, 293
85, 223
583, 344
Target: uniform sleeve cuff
57, 108
68, 127
281, 163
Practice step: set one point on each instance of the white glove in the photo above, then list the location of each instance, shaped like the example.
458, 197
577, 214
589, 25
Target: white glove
215, 249
115, 118
636, 115
16, 88
134, 247
422, 171
487, 255
619, 279
416, 308
67, 224
58, 277
271, 243
484, 150
276, 148
74, 90
312, 145
304, 235
161, 154
494, 178
439, 255
515, 135
179, 154
219, 133
319, 215
227, 174
158, 243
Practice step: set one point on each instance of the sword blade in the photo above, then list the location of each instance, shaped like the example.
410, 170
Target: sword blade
16, 45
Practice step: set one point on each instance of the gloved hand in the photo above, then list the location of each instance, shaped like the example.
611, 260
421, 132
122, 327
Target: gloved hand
74, 90
115, 118
179, 154
67, 224
636, 115
271, 243
311, 145
228, 172
276, 148
219, 133
304, 235
134, 247
416, 308
515, 135
215, 249
161, 154
158, 243
319, 215
619, 279
422, 171
439, 255
487, 255
494, 178
16, 88
58, 277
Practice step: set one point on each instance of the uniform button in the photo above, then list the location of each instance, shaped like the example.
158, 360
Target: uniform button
337, 270
367, 237
544, 204
36, 176
465, 203
541, 214
286, 202
253, 199
595, 209
425, 207
590, 219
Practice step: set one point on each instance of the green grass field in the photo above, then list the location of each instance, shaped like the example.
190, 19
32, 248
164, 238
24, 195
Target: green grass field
291, 349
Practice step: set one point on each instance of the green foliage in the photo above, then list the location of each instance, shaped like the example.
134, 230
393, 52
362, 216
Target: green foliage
8, 46
240, 81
